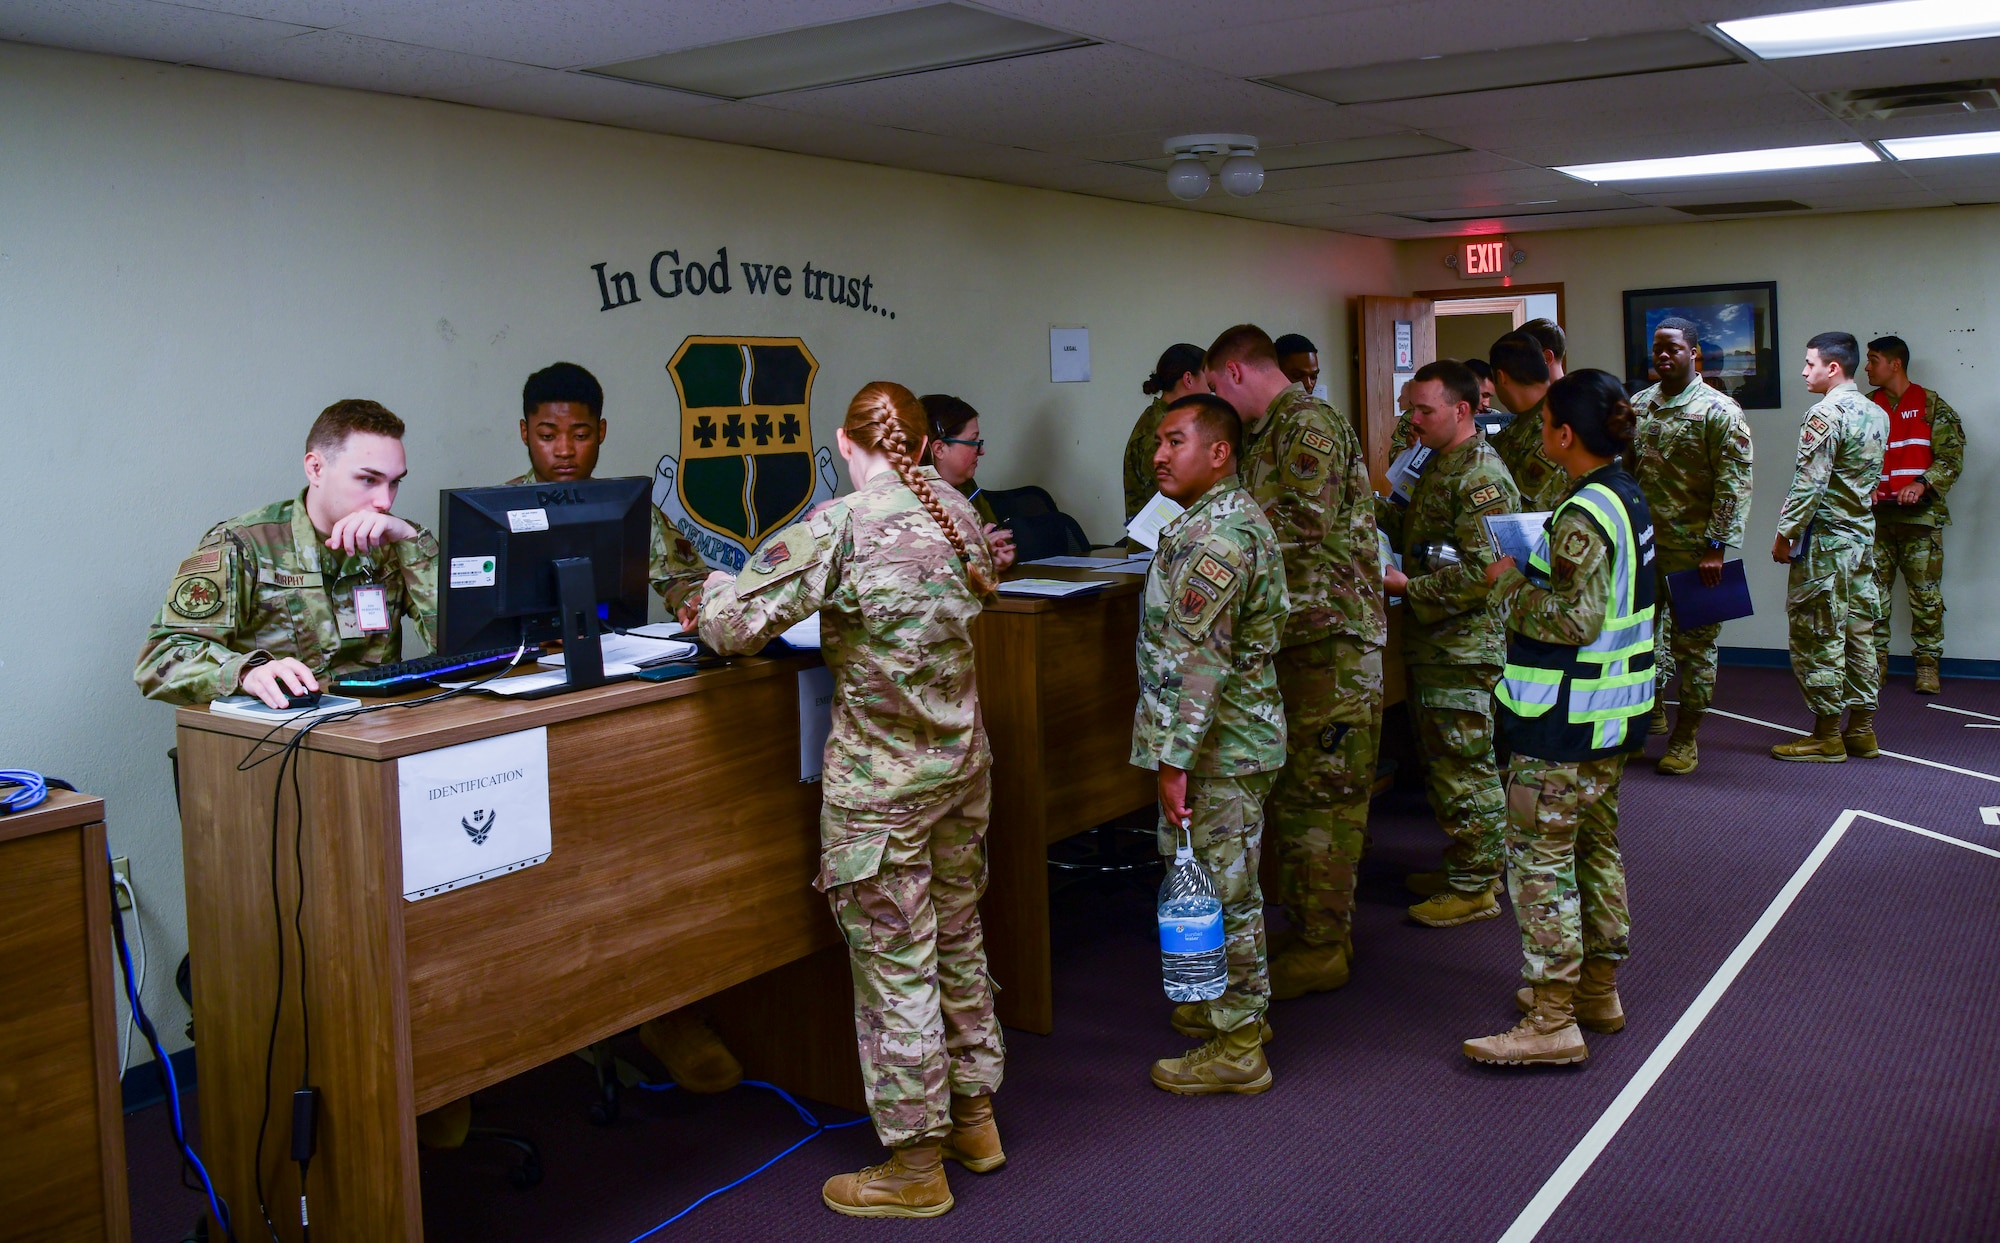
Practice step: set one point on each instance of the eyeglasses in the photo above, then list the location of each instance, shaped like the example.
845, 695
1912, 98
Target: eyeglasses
977, 444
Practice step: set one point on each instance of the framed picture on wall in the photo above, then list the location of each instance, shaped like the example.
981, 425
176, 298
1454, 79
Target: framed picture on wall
1739, 337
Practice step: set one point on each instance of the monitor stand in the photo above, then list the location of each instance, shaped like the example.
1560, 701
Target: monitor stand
583, 649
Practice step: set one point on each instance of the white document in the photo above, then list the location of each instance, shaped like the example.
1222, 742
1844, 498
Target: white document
815, 720
1404, 472
541, 681
805, 634
251, 708
632, 649
1069, 355
1075, 563
1051, 587
1153, 517
474, 811
1520, 536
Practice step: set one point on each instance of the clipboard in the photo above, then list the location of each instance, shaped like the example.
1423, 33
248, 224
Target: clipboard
1696, 605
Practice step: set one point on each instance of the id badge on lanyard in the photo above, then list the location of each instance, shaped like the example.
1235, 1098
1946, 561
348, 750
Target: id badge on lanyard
371, 609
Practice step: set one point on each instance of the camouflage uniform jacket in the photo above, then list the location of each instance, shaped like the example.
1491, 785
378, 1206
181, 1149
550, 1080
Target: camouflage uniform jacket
1840, 462
1140, 483
1214, 611
1947, 461
1542, 483
1303, 466
1447, 619
265, 586
675, 569
896, 611
1692, 460
1572, 608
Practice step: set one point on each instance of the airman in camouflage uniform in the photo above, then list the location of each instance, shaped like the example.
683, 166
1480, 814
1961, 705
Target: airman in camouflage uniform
1692, 458
1909, 536
1139, 484
674, 568
1210, 625
1541, 483
1303, 465
1830, 596
264, 586
1453, 646
906, 794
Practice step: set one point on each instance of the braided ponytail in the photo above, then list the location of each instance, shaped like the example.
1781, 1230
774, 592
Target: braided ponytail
887, 418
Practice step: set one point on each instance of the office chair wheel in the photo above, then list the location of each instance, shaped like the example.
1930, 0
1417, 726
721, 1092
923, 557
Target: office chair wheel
604, 1112
529, 1172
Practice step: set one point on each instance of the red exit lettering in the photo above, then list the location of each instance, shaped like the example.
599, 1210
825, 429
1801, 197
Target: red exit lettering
1485, 258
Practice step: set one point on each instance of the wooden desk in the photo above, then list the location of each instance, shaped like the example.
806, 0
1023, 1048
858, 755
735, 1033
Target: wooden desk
1058, 682
62, 1132
684, 849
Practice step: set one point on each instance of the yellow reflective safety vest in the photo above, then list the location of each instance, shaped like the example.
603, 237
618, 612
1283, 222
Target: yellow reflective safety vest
1559, 701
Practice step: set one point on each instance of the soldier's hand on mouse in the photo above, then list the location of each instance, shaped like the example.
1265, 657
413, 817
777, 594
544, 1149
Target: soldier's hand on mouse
274, 680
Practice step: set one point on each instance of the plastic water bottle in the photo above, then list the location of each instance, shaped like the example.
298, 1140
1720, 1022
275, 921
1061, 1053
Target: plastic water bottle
1192, 960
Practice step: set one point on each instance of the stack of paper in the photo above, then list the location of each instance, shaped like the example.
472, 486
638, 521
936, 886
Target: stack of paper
251, 708
1103, 565
632, 648
548, 678
1154, 517
1050, 587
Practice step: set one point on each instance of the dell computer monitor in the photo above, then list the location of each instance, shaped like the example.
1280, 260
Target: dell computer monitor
540, 561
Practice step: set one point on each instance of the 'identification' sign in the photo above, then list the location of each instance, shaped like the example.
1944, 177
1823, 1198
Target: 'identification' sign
474, 811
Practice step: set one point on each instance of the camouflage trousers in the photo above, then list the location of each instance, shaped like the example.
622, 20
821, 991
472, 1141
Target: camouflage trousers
1830, 600
1228, 833
1690, 653
905, 888
1318, 810
1564, 873
1452, 708
1918, 552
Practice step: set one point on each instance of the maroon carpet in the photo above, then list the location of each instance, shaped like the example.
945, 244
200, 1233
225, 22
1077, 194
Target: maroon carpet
1846, 1087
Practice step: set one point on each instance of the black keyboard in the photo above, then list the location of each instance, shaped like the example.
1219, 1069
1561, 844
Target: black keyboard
409, 675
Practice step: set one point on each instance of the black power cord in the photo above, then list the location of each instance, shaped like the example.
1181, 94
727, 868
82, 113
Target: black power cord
306, 1100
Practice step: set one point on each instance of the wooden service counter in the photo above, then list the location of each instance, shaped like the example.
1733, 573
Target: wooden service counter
1058, 682
684, 847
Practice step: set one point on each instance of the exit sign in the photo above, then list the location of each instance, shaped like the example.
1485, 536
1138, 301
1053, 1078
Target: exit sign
1482, 258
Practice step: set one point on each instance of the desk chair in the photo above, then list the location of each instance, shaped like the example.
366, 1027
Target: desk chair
1040, 529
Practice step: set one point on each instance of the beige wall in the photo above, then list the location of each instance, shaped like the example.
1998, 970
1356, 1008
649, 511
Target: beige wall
1922, 275
193, 264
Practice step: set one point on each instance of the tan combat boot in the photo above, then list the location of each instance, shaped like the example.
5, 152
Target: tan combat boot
1596, 1001
1306, 969
974, 1141
1546, 1035
1882, 670
1231, 1062
1822, 746
910, 1183
1859, 736
1681, 758
1927, 675
1657, 723
694, 1055
1191, 1019
1426, 884
1451, 908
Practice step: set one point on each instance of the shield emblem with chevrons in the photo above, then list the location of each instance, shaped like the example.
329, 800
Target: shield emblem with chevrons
746, 465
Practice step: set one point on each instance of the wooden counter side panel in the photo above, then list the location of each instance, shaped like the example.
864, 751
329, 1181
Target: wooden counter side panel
1091, 672
647, 901
1015, 910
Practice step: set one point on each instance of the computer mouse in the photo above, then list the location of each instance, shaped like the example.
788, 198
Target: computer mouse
308, 700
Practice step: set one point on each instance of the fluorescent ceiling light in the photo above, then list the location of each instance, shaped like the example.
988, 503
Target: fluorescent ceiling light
885, 45
1776, 159
1861, 27
1938, 146
1464, 72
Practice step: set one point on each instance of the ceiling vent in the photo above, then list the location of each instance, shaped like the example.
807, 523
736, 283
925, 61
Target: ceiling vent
1750, 207
1930, 99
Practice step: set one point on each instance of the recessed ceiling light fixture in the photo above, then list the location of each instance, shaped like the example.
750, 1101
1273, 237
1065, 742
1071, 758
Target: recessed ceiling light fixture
1863, 27
1939, 146
1460, 73
1187, 176
1772, 160
882, 45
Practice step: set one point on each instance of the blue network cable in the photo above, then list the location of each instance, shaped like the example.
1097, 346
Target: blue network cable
818, 1128
22, 789
165, 1065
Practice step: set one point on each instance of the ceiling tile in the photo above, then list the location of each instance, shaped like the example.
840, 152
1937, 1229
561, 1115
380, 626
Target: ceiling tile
1666, 94
1899, 66
579, 97
332, 58
141, 28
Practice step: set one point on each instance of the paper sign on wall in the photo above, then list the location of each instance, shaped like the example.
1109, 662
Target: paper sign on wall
815, 720
474, 811
1406, 345
1069, 355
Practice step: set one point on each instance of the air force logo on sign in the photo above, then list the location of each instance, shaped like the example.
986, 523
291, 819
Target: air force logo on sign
474, 811
747, 465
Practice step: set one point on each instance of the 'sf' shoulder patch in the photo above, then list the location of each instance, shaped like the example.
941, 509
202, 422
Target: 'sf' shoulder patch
1221, 577
1317, 441
1815, 429
1484, 495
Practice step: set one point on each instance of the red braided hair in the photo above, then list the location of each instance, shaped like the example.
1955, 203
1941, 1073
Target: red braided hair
887, 418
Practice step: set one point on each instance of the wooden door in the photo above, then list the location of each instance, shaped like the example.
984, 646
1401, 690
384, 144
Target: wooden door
1384, 325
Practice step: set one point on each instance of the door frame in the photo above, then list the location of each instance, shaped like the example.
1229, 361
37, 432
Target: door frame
1502, 291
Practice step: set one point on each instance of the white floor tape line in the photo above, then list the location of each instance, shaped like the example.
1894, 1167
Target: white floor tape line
1961, 711
1894, 755
1553, 1192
